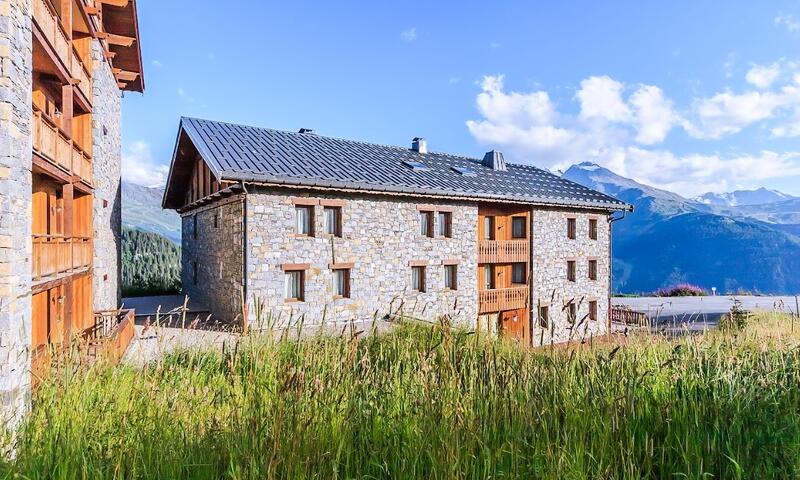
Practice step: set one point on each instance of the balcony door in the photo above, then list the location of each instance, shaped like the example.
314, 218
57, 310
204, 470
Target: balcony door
514, 324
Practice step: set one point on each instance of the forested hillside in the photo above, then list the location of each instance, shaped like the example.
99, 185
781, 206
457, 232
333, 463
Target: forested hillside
151, 264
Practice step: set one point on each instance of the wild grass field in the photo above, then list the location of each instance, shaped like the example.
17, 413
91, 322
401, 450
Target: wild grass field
430, 403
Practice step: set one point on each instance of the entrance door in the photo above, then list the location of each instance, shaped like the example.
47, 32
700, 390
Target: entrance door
514, 324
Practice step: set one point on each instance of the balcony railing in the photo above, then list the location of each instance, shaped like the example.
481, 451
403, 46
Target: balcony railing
502, 299
52, 143
56, 254
111, 334
45, 16
503, 251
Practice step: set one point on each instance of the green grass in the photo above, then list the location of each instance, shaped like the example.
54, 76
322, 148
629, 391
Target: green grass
430, 403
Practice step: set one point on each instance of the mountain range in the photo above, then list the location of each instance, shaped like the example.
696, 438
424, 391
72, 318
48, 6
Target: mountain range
747, 240
734, 245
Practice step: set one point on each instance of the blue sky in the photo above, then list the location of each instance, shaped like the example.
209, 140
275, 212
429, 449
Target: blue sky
690, 96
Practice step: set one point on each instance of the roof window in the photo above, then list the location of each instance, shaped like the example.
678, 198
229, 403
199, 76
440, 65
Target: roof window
416, 166
465, 171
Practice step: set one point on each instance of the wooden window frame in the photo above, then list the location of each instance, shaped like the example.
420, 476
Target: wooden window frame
572, 270
572, 312
572, 228
524, 220
492, 277
347, 279
429, 231
489, 233
593, 306
311, 220
454, 276
593, 224
290, 269
524, 271
544, 315
423, 280
448, 224
593, 265
337, 213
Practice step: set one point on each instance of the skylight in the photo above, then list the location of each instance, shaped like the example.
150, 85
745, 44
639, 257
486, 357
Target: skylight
465, 171
416, 166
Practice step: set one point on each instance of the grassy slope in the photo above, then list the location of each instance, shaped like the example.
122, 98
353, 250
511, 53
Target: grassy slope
421, 403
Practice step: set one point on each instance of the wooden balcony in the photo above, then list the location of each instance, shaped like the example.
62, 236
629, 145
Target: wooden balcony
56, 255
504, 251
53, 144
501, 299
45, 16
111, 334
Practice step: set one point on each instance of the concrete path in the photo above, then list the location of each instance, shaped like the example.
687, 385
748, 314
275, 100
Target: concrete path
149, 305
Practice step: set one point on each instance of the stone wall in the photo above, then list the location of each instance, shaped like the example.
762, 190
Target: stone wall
551, 250
106, 171
212, 239
15, 208
380, 236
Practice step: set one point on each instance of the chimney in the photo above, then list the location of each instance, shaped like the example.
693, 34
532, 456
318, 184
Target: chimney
419, 144
494, 160
306, 130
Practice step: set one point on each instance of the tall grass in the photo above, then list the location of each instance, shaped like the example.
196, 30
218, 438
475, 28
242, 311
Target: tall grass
429, 403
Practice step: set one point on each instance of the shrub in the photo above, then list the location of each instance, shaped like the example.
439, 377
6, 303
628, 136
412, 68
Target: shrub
736, 319
681, 290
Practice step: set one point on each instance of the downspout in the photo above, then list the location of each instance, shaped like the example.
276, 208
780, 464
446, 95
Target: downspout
611, 221
245, 312
531, 318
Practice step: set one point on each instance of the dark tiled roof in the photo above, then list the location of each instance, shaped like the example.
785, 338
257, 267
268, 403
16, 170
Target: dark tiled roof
250, 154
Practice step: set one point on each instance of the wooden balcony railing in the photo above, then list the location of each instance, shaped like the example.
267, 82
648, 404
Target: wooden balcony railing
503, 251
501, 299
111, 334
628, 317
52, 143
49, 23
82, 72
56, 254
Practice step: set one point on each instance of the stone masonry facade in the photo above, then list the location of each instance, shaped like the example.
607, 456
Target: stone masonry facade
106, 172
551, 251
380, 241
380, 236
212, 257
15, 207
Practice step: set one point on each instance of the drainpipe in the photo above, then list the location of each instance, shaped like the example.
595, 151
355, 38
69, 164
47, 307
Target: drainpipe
611, 221
245, 312
531, 318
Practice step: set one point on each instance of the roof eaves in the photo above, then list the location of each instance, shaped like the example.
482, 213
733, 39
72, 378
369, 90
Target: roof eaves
312, 183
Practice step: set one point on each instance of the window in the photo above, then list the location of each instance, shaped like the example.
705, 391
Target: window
592, 269
341, 282
295, 285
445, 224
216, 219
544, 316
518, 273
418, 279
465, 171
304, 220
333, 220
518, 229
416, 166
194, 272
488, 277
194, 226
593, 228
592, 309
426, 224
488, 228
451, 277
572, 312
571, 229
571, 270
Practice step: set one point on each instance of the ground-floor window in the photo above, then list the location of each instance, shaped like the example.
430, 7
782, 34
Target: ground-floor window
418, 279
544, 316
341, 282
572, 312
295, 280
593, 310
451, 277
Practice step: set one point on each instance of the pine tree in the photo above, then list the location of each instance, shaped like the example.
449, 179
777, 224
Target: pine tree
151, 264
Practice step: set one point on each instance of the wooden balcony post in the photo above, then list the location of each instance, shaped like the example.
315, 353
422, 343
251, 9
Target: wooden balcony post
67, 110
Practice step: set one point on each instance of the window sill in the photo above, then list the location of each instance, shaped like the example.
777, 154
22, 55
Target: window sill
293, 300
300, 235
341, 297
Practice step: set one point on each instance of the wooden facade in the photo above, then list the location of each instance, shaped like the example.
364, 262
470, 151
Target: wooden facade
62, 196
504, 276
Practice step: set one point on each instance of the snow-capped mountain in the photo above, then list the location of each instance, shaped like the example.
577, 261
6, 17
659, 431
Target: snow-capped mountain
740, 198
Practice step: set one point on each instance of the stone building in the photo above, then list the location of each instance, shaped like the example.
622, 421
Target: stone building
63, 65
297, 227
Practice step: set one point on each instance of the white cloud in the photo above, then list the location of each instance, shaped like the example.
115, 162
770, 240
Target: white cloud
727, 113
409, 35
453, 80
762, 76
653, 114
138, 166
530, 129
157, 63
789, 21
601, 97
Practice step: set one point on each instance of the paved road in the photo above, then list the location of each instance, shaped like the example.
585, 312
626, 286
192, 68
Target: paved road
700, 312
